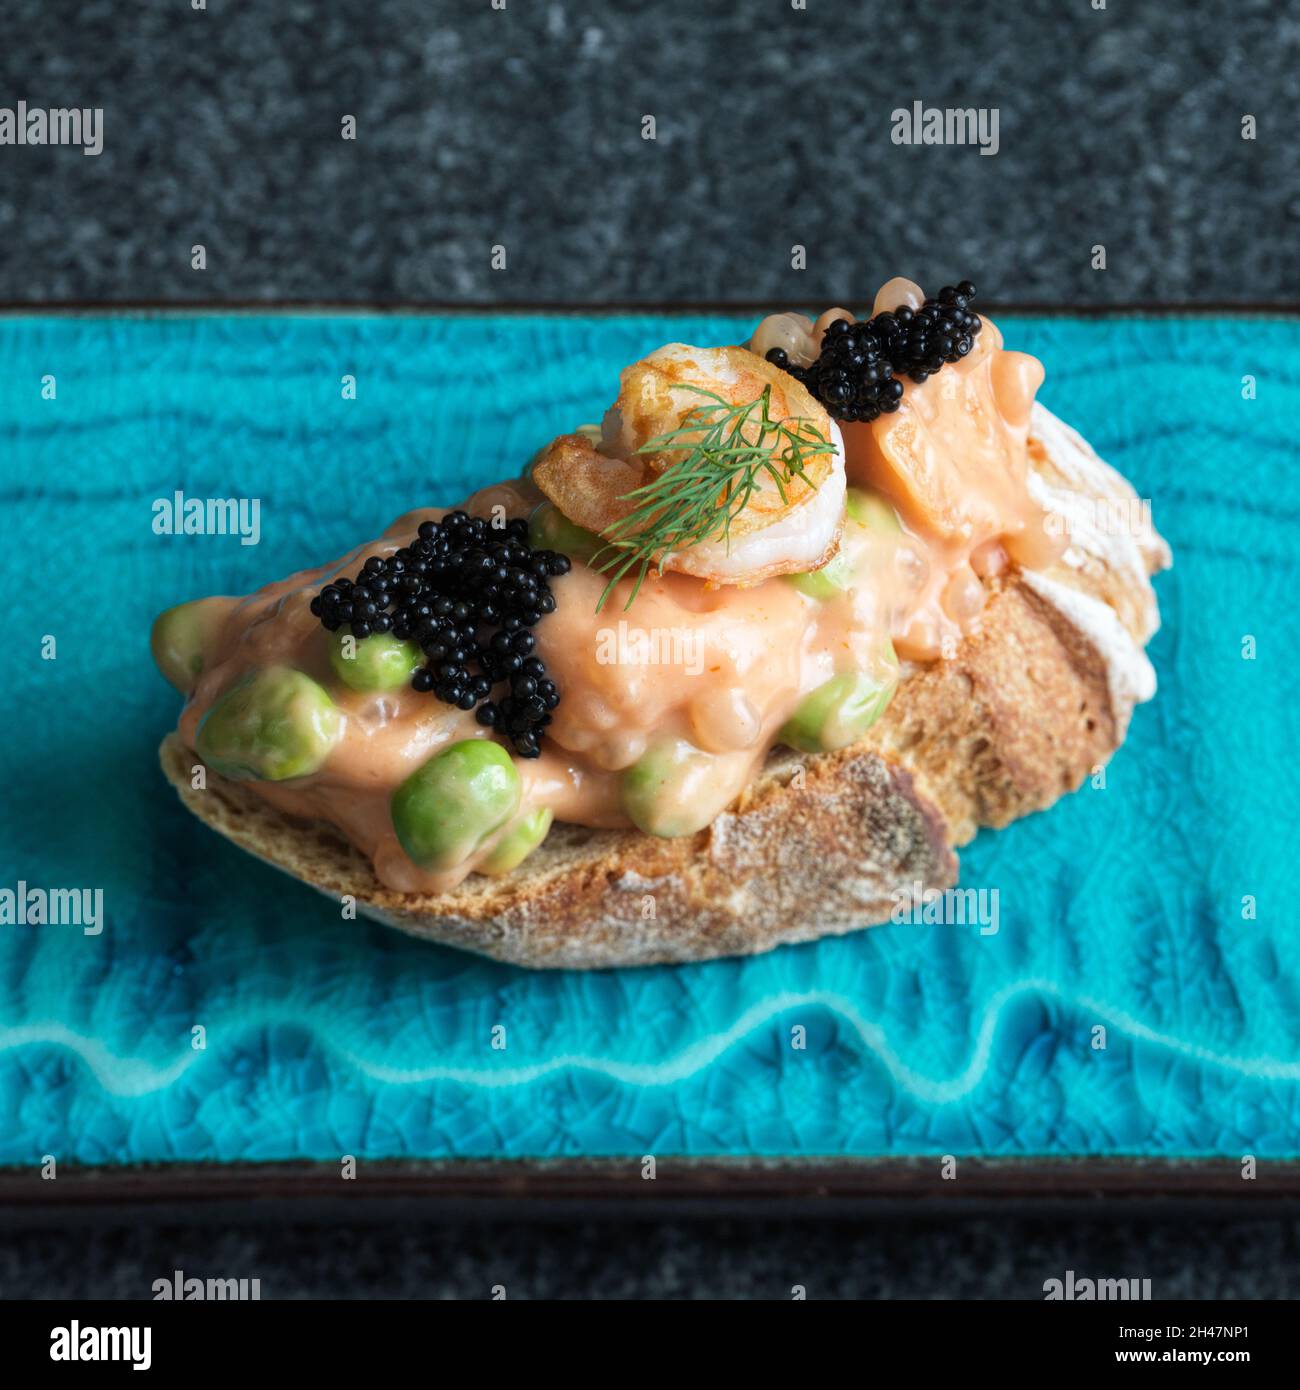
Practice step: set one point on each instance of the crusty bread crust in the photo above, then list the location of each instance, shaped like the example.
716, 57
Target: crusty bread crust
819, 845
795, 863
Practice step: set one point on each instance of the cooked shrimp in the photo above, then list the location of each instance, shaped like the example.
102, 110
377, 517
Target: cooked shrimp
803, 538
780, 529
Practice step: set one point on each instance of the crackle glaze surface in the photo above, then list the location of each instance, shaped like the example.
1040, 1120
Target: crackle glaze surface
1121, 907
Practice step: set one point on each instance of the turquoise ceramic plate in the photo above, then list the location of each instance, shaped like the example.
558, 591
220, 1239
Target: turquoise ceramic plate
1160, 907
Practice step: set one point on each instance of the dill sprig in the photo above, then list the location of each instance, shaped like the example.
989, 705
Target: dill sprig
698, 498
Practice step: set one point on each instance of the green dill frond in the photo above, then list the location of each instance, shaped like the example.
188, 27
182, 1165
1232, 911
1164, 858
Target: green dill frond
727, 450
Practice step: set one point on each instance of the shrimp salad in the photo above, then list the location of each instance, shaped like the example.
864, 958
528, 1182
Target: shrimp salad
752, 549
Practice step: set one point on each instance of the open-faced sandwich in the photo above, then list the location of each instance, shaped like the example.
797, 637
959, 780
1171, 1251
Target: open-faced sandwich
738, 667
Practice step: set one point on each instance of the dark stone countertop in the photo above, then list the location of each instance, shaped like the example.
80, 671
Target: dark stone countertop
521, 127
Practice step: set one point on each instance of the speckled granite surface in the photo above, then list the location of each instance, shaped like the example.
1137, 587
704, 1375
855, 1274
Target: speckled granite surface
591, 1260
521, 127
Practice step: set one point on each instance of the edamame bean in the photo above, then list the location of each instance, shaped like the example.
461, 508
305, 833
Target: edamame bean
828, 582
671, 789
449, 806
182, 637
550, 529
862, 508
379, 662
518, 841
843, 709
869, 508
275, 724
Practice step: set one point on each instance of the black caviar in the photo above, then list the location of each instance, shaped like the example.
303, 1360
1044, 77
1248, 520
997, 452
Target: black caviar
857, 376
469, 594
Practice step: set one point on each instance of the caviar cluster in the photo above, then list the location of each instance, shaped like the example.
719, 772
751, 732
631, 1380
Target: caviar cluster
456, 579
858, 375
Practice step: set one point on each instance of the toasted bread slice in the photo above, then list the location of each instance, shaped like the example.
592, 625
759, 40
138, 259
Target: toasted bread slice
818, 845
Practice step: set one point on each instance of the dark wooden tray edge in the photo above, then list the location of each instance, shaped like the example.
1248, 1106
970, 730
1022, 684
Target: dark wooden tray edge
491, 1189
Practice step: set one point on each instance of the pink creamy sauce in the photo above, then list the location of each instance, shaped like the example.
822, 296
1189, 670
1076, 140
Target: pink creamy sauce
954, 460
720, 667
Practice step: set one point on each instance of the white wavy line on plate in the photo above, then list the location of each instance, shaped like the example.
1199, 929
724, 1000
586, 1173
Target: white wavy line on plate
133, 1077
115, 1074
